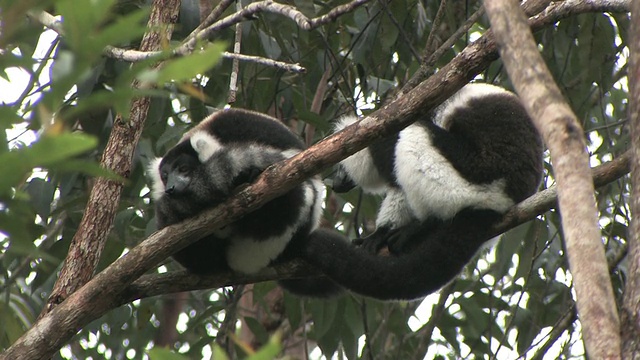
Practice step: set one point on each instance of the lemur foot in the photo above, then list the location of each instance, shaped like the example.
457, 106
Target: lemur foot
376, 241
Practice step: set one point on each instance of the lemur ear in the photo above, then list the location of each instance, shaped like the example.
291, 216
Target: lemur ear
205, 145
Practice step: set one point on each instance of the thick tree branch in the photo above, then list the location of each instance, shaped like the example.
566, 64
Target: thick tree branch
630, 311
95, 298
157, 284
88, 242
563, 135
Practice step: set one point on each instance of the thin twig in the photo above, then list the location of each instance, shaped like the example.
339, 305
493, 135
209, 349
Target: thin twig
403, 34
268, 6
296, 68
98, 296
426, 68
235, 66
136, 56
434, 29
212, 17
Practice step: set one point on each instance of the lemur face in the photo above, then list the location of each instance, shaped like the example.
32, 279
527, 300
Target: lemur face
176, 173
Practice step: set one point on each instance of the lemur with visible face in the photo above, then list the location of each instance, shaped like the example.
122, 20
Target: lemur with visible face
447, 180
228, 149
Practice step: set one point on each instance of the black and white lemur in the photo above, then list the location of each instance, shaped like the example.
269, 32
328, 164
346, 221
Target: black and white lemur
447, 179
228, 149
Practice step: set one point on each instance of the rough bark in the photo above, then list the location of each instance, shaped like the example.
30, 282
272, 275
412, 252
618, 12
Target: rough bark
98, 296
88, 242
158, 284
564, 137
630, 312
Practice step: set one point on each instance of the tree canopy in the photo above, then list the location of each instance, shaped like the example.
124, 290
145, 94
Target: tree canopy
93, 91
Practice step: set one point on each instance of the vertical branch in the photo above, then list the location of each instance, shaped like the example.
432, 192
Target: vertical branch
563, 135
630, 312
88, 242
235, 68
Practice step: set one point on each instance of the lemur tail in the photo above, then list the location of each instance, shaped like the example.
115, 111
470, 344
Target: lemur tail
440, 253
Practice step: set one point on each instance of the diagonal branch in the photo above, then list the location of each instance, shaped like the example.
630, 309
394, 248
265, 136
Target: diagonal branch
177, 281
99, 295
89, 240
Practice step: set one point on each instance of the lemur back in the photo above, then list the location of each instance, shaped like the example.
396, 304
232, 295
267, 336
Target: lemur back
478, 149
446, 179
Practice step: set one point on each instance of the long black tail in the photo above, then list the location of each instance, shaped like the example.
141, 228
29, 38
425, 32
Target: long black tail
439, 253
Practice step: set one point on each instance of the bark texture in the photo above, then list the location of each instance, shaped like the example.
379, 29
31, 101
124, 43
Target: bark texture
564, 137
630, 312
99, 295
97, 220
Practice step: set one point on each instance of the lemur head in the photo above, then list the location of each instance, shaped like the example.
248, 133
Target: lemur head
179, 172
176, 169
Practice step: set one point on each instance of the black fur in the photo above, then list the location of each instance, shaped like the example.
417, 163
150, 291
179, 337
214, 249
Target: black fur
486, 136
485, 141
442, 249
209, 188
254, 127
246, 143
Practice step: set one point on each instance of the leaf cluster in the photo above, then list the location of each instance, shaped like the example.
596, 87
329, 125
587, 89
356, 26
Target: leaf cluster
513, 300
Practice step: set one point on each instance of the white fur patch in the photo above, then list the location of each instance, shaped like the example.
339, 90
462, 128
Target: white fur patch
360, 166
433, 187
462, 98
394, 211
204, 144
157, 186
317, 196
290, 153
249, 256
345, 121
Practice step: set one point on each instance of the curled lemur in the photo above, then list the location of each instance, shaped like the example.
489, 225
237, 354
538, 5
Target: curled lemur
227, 149
447, 179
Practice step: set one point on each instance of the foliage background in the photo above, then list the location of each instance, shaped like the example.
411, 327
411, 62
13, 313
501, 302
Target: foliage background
513, 300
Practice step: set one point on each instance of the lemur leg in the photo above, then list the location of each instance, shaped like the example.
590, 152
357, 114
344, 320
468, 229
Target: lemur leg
400, 241
393, 215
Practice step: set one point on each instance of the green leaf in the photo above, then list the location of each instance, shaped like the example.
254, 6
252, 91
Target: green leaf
187, 67
47, 151
124, 29
353, 317
323, 313
293, 309
11, 328
268, 351
81, 21
40, 196
257, 329
218, 353
164, 354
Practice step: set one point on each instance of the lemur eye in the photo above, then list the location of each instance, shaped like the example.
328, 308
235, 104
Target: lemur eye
163, 175
183, 169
